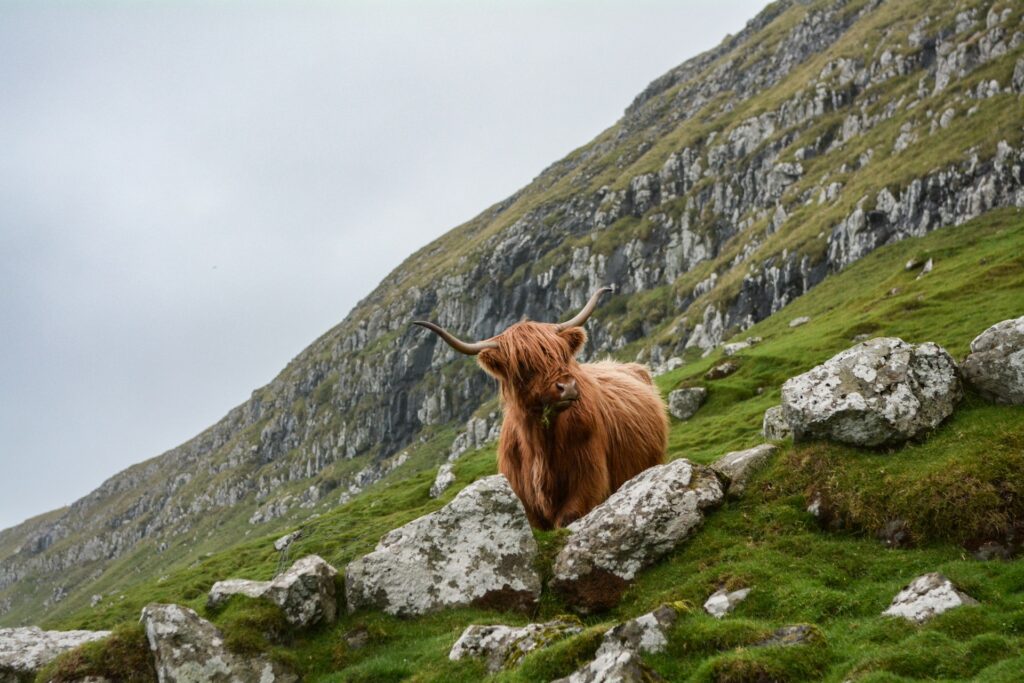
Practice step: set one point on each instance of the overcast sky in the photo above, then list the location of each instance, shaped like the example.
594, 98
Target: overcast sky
191, 193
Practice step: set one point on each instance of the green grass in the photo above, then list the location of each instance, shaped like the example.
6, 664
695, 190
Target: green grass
960, 483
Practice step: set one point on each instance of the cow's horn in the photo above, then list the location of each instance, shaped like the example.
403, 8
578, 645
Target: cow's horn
455, 342
582, 316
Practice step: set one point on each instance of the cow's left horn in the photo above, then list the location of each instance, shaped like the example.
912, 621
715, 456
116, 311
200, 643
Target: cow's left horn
582, 316
455, 342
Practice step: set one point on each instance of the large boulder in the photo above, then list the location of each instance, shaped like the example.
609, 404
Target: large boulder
926, 597
476, 550
648, 517
882, 391
305, 593
995, 365
684, 403
737, 467
189, 649
25, 650
505, 646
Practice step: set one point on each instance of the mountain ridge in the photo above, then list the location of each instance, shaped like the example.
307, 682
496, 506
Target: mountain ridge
703, 236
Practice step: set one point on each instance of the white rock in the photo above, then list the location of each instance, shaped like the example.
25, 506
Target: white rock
445, 478
774, 426
189, 649
286, 540
735, 347
995, 365
928, 265
802, 320
738, 466
305, 593
927, 596
25, 650
722, 601
646, 633
477, 549
684, 403
882, 391
505, 646
648, 517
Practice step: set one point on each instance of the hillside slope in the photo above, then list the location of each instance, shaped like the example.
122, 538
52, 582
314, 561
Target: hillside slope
731, 186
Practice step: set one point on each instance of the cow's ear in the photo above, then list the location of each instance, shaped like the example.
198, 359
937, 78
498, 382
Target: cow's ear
493, 363
576, 336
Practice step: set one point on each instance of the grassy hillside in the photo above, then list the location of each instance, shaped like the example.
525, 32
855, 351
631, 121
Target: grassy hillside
962, 484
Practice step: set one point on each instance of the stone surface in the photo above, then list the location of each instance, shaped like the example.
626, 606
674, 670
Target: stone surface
285, 541
722, 370
684, 403
735, 347
882, 391
189, 649
477, 549
646, 633
614, 665
738, 466
802, 320
445, 478
305, 593
995, 366
25, 650
774, 426
650, 515
926, 597
722, 601
504, 646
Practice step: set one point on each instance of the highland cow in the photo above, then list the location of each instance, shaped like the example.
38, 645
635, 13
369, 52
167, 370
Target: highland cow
573, 432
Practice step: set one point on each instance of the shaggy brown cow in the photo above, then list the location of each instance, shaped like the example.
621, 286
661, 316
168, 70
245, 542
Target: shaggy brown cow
573, 432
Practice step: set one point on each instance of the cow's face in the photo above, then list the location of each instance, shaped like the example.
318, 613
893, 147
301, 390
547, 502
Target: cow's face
536, 365
535, 362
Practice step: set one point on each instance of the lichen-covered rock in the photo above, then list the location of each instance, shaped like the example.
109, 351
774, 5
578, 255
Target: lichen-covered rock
305, 593
650, 515
283, 543
926, 597
721, 370
882, 391
787, 636
735, 347
723, 601
189, 649
774, 426
445, 478
477, 549
995, 365
25, 650
802, 320
738, 466
646, 633
614, 665
684, 403
505, 646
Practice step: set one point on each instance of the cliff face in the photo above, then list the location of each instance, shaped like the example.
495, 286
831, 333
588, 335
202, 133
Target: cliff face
732, 184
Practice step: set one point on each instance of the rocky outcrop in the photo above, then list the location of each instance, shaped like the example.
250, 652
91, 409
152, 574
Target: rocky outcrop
926, 597
737, 467
618, 657
26, 650
444, 478
684, 403
649, 516
774, 426
724, 601
504, 646
995, 366
882, 391
305, 593
188, 648
476, 550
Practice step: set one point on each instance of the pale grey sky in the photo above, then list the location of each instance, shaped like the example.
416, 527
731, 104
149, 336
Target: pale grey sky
190, 193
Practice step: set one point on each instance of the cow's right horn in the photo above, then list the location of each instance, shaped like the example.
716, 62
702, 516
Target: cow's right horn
455, 342
582, 316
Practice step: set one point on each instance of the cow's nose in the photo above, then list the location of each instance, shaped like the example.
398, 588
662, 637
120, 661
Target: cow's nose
567, 390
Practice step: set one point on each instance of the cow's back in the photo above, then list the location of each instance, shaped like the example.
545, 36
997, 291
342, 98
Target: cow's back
633, 418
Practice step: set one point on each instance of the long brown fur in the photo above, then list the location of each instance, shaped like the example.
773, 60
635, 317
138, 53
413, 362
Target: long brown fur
563, 463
